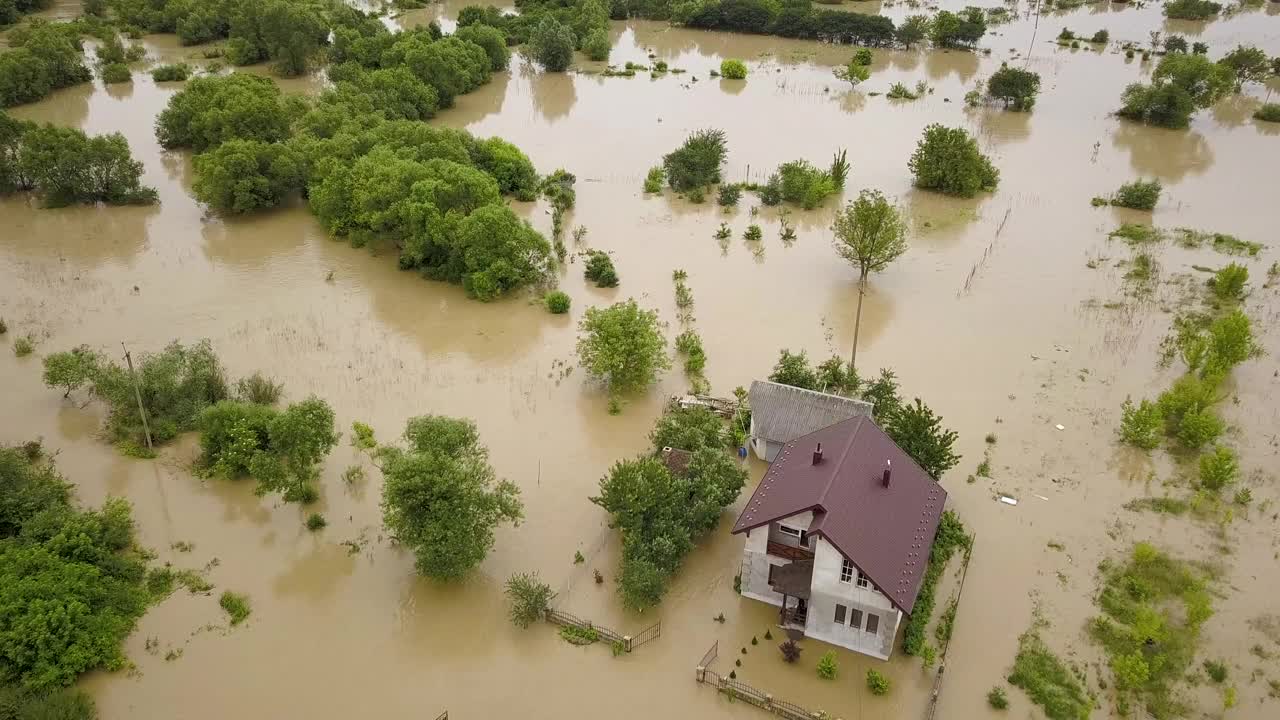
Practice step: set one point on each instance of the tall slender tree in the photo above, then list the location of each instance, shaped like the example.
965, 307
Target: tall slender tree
870, 233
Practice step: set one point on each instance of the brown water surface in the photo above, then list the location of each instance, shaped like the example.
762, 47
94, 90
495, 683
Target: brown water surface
993, 316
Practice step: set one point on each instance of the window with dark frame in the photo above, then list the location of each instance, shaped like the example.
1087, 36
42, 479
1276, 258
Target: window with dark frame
840, 614
855, 619
863, 580
785, 530
846, 571
873, 623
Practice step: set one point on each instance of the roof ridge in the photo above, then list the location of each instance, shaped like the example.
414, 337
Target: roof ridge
835, 470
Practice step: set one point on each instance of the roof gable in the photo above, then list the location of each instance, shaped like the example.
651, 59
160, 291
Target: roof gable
782, 413
885, 531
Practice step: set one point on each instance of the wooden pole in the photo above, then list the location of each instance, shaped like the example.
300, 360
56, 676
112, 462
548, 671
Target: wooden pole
137, 395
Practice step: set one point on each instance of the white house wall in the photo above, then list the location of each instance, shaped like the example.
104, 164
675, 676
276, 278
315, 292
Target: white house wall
827, 590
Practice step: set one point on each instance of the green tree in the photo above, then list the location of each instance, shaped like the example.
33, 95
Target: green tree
492, 40
962, 29
71, 582
1191, 9
441, 498
948, 160
529, 597
71, 369
869, 233
1249, 64
241, 176
1016, 87
551, 45
1138, 195
452, 66
66, 166
44, 57
622, 345
596, 45
508, 165
853, 72
211, 110
697, 162
793, 369
1219, 468
691, 429
500, 252
920, 434
282, 450
912, 31
731, 69
1180, 85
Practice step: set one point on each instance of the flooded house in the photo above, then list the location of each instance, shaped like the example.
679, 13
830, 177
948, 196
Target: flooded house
838, 535
781, 413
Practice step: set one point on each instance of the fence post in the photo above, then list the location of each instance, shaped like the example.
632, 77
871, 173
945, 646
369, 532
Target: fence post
626, 642
700, 673
768, 700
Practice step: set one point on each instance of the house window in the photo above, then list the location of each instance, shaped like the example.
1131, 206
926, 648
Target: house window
771, 569
846, 571
873, 623
863, 580
840, 614
793, 532
855, 619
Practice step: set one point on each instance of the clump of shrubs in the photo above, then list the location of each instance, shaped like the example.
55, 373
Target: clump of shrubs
171, 73
997, 698
599, 269
798, 182
877, 683
729, 195
557, 302
948, 160
733, 69
316, 522
1269, 112
654, 180
1138, 195
1228, 283
116, 73
790, 651
697, 162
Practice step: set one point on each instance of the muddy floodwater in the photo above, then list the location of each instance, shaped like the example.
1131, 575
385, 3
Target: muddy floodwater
1008, 315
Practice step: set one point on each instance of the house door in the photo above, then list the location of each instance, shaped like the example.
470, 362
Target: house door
802, 609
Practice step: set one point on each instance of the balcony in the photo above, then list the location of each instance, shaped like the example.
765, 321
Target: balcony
790, 552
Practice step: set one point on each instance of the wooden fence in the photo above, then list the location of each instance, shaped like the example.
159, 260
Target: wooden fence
736, 690
935, 694
613, 637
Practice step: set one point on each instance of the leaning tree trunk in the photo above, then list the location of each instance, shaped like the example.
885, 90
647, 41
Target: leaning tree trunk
857, 323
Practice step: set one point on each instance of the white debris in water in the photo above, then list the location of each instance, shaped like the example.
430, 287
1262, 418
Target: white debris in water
1008, 500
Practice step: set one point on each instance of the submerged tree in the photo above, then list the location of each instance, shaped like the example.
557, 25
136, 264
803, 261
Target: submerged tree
869, 233
551, 45
697, 162
1016, 87
441, 498
623, 346
1180, 85
948, 160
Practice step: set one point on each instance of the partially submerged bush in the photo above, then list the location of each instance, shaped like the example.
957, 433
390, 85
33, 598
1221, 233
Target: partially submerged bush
1219, 468
1138, 195
827, 665
282, 450
733, 69
877, 683
116, 73
599, 269
529, 597
1269, 112
1015, 87
1228, 282
236, 606
1141, 424
171, 73
622, 345
557, 302
948, 160
1191, 9
654, 180
801, 183
697, 162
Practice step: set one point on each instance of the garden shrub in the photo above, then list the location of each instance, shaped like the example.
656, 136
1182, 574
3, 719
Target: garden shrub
557, 302
599, 269
948, 160
733, 69
171, 73
1138, 195
697, 162
877, 683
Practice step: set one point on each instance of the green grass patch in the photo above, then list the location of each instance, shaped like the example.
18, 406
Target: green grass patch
1153, 606
1221, 242
1167, 505
1047, 681
1138, 234
236, 605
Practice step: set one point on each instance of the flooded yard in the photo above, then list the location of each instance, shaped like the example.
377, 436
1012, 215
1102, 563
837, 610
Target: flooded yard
1008, 314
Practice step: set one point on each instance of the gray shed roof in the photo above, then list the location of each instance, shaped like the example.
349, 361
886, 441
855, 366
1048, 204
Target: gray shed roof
782, 413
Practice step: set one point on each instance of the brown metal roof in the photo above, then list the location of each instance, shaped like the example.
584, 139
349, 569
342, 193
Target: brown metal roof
885, 531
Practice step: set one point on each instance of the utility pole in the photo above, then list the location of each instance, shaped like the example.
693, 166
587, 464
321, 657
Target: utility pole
137, 394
